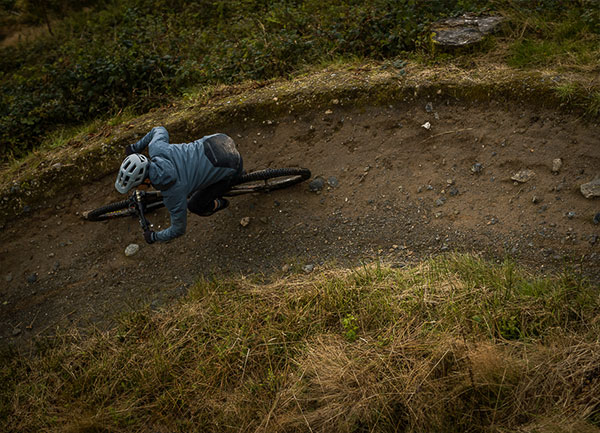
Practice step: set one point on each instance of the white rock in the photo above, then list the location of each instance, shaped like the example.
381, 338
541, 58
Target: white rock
131, 249
556, 165
426, 125
308, 268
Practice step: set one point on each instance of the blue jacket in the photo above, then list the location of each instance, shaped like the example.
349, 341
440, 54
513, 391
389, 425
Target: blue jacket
180, 169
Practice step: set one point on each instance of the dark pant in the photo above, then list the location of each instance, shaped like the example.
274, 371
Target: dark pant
202, 201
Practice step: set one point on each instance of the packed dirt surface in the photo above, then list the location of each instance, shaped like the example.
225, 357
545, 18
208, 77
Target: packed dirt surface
393, 189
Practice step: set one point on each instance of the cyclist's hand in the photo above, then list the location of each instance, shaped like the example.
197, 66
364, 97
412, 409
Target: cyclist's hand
150, 236
128, 150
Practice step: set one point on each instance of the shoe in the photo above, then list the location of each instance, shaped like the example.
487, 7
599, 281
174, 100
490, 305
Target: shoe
222, 203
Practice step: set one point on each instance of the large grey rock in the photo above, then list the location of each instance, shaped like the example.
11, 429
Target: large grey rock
591, 189
465, 30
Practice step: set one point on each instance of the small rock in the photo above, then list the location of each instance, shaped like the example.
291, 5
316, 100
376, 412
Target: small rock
429, 188
453, 191
328, 112
32, 278
493, 221
593, 239
16, 332
426, 125
596, 219
535, 199
450, 182
477, 168
556, 165
523, 176
429, 108
285, 268
570, 215
264, 220
333, 182
316, 184
591, 189
245, 221
308, 268
131, 249
8, 278
56, 266
440, 201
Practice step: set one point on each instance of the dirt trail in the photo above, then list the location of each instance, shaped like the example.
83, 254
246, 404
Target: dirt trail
404, 193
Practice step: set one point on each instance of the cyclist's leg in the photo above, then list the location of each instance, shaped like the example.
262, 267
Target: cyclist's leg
202, 202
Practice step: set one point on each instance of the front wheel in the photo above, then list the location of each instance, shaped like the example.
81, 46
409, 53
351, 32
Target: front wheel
152, 201
268, 180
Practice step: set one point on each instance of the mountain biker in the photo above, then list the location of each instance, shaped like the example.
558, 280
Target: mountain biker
202, 170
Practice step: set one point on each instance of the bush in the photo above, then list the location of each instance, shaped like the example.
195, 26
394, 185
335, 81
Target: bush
136, 53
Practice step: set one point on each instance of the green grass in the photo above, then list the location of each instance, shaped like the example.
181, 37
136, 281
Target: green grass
455, 344
139, 55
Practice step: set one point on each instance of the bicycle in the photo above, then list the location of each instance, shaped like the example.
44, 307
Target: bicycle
141, 203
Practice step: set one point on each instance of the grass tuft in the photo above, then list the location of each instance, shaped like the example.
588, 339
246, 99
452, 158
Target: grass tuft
454, 344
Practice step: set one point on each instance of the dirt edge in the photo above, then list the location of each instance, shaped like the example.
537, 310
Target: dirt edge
89, 157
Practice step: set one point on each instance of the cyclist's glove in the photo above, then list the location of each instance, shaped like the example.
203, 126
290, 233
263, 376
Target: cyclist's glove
128, 150
150, 236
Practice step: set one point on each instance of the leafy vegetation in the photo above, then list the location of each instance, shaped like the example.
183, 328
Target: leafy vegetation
137, 54
454, 344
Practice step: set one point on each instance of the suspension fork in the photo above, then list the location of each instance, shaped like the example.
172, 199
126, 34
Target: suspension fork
140, 207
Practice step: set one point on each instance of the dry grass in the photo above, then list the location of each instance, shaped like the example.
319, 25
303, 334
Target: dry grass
455, 344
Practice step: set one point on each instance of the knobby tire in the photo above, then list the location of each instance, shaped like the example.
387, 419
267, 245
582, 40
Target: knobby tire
268, 180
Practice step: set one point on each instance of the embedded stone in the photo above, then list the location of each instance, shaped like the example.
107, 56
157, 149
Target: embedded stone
523, 176
591, 189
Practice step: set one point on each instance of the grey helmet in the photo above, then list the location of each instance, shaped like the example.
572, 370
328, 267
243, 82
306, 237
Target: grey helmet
133, 171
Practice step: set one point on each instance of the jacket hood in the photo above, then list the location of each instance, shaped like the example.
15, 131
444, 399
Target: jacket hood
162, 173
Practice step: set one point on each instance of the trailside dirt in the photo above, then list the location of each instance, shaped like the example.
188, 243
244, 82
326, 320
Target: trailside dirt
392, 189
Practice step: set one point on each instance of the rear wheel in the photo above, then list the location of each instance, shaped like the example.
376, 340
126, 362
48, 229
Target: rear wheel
268, 180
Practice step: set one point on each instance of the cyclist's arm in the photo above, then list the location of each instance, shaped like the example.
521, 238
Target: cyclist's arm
178, 210
157, 133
